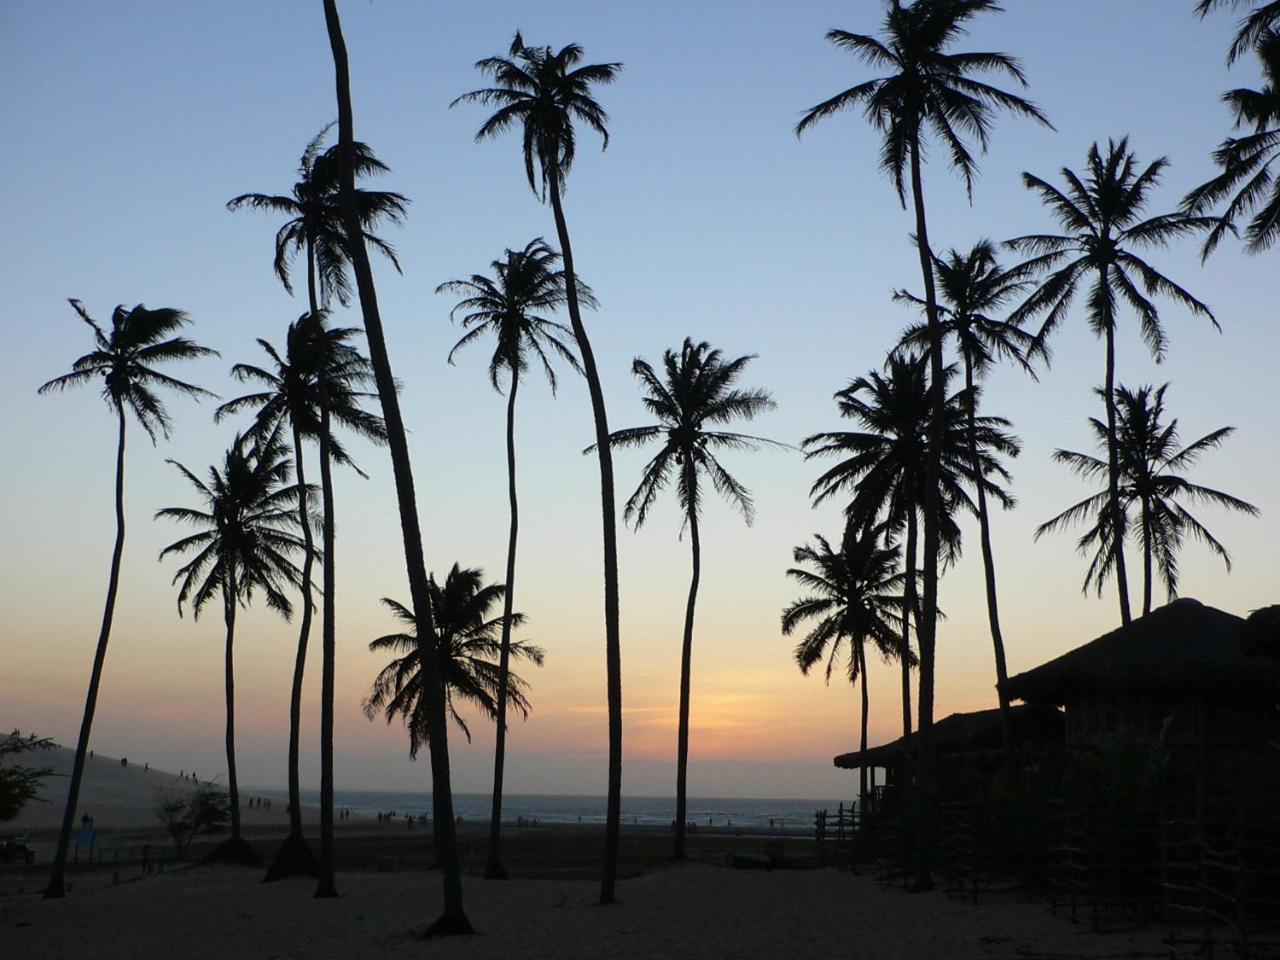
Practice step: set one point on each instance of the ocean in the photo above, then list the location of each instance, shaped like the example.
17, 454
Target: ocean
724, 812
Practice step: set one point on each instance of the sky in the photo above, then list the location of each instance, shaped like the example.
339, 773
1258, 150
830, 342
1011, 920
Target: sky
129, 125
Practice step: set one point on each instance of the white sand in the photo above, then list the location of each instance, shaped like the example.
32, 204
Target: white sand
692, 910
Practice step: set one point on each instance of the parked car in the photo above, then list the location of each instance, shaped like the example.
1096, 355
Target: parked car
16, 848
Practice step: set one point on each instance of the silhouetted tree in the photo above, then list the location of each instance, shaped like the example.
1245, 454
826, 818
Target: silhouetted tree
973, 289
524, 284
1102, 216
856, 595
926, 90
245, 540
315, 384
468, 645
125, 360
696, 391
542, 93
1150, 486
1263, 16
1246, 180
454, 918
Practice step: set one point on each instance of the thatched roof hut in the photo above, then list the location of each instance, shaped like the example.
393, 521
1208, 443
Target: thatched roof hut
1179, 648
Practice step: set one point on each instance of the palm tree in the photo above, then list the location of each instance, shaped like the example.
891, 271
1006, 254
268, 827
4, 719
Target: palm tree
315, 228
884, 464
696, 392
525, 283
1151, 464
467, 643
315, 383
1245, 179
856, 595
927, 90
1102, 216
125, 359
542, 92
245, 539
973, 288
454, 918
1261, 19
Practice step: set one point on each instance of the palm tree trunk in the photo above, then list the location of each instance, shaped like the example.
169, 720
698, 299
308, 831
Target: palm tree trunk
1146, 556
860, 651
989, 567
454, 918
57, 883
686, 666
494, 869
909, 597
608, 520
1113, 474
229, 598
928, 627
328, 632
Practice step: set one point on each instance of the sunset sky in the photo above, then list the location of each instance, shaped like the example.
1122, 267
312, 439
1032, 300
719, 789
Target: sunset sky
129, 125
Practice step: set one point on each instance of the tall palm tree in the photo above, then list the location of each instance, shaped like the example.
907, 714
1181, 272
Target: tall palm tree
1151, 485
927, 90
542, 92
1102, 215
1263, 17
1246, 180
467, 642
316, 383
125, 360
857, 595
973, 289
315, 229
454, 918
245, 539
524, 284
696, 392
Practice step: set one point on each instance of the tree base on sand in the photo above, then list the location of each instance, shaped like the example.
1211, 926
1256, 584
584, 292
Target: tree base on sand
327, 890
233, 850
294, 858
450, 926
494, 870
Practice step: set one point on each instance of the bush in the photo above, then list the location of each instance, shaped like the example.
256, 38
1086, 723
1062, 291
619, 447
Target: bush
186, 815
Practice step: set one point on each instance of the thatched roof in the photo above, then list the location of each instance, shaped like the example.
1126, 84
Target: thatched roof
1181, 647
966, 733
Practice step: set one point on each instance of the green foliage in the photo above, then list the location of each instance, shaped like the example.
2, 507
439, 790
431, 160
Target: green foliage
186, 815
19, 784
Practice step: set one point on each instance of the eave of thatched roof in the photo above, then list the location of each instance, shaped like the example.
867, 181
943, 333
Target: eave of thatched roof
1181, 647
963, 733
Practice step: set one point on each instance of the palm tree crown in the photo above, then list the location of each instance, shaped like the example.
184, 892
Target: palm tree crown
697, 391
315, 224
1256, 24
467, 644
543, 92
125, 360
525, 283
246, 532
925, 87
1151, 486
1246, 180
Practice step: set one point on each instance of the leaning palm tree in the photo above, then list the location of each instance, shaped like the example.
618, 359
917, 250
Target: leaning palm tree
1263, 17
542, 92
1103, 222
454, 918
468, 643
316, 383
1246, 180
856, 595
926, 90
125, 360
695, 395
974, 288
525, 284
246, 537
1151, 486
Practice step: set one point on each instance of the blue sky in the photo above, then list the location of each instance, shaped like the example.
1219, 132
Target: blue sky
128, 127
